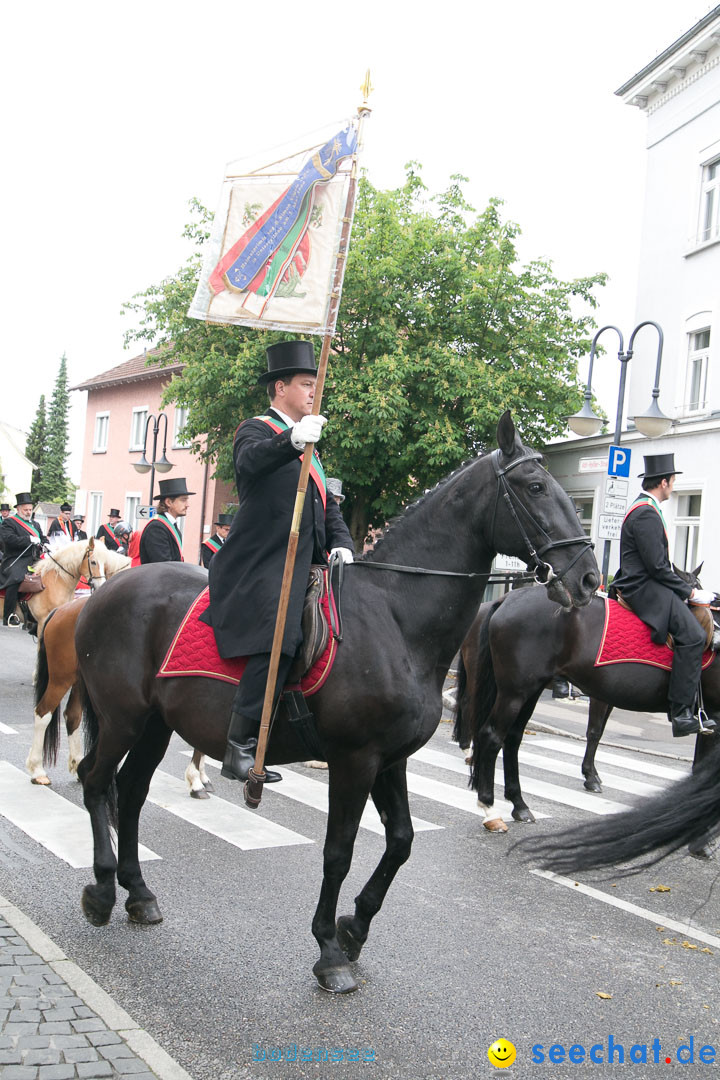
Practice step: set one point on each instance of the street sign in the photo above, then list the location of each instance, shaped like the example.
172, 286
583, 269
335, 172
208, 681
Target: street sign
614, 506
592, 464
610, 527
619, 461
146, 512
614, 486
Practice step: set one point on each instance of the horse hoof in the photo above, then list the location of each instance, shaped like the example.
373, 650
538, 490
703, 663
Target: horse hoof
43, 781
207, 784
145, 912
526, 816
95, 913
703, 852
200, 793
593, 785
495, 825
347, 940
336, 980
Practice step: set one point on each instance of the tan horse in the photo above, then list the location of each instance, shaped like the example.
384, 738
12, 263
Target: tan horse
61, 571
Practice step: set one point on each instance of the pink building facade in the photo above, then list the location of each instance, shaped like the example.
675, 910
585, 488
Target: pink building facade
123, 405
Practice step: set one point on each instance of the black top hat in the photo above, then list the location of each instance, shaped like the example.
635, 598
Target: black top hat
65, 508
224, 519
23, 498
5, 506
172, 489
289, 358
659, 465
113, 513
78, 517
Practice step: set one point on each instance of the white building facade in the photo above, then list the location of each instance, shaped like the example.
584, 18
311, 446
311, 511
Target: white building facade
678, 288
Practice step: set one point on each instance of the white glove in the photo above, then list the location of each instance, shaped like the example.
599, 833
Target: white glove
309, 429
345, 554
702, 597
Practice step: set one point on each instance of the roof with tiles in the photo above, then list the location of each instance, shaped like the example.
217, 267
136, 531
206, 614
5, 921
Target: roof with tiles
135, 370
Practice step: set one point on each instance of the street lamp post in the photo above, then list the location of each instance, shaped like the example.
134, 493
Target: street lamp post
652, 423
162, 465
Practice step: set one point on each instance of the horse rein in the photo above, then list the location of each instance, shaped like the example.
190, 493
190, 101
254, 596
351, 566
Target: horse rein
90, 576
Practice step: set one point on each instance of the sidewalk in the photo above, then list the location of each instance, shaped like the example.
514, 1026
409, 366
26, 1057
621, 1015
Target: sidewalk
56, 1023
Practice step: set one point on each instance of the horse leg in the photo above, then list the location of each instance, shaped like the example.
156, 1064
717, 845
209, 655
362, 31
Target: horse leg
513, 792
73, 720
598, 713
704, 846
34, 763
97, 776
196, 777
488, 742
133, 783
389, 793
349, 788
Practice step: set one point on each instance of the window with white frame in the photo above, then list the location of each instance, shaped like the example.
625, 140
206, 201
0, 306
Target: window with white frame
584, 506
709, 223
180, 422
95, 512
102, 425
132, 504
687, 529
697, 370
137, 428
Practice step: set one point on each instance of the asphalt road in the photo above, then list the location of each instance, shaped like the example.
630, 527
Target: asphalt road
470, 946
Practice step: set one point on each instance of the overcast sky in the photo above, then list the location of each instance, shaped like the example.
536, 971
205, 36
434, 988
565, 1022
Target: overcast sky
115, 116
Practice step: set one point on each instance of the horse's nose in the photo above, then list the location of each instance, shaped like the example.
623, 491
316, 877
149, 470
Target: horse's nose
590, 581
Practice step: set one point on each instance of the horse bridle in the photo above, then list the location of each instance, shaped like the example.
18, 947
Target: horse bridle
544, 572
90, 576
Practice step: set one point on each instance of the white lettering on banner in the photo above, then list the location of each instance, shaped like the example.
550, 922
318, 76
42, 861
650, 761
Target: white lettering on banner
592, 464
610, 527
615, 485
614, 506
508, 562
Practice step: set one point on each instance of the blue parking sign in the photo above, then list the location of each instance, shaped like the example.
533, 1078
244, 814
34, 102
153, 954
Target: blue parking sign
619, 461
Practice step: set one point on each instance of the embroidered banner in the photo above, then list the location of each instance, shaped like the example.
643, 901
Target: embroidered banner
273, 251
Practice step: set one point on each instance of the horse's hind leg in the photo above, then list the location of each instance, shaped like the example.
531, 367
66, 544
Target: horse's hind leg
598, 713
349, 788
73, 720
704, 847
511, 747
133, 783
488, 741
97, 775
34, 763
389, 793
196, 778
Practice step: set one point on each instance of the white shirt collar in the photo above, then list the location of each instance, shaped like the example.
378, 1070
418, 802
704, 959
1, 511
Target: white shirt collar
284, 417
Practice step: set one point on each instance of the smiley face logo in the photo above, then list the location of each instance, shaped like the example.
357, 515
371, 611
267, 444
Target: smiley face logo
501, 1053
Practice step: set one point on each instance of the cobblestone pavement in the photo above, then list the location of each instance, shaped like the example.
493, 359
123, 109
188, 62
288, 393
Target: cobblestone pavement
57, 1024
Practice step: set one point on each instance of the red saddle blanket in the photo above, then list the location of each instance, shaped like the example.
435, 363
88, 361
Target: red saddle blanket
193, 652
626, 640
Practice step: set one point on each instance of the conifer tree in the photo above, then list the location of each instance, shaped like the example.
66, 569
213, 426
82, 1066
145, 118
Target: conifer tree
36, 447
54, 485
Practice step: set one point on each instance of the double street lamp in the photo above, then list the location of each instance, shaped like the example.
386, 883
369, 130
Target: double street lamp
161, 465
652, 423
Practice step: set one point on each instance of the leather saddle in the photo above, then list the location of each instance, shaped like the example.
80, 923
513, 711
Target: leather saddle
32, 583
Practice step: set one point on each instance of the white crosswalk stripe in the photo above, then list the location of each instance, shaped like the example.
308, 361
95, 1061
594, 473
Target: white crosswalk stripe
436, 778
5, 729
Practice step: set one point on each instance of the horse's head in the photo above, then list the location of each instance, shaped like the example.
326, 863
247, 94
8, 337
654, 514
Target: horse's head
535, 520
692, 577
92, 566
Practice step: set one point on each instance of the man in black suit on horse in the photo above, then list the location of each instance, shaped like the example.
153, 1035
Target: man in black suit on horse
161, 539
23, 541
107, 532
246, 573
62, 528
656, 594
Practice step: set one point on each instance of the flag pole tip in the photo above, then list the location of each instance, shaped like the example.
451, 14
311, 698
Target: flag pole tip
366, 88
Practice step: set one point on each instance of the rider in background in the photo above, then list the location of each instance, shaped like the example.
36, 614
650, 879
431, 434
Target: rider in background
649, 585
161, 540
62, 530
23, 541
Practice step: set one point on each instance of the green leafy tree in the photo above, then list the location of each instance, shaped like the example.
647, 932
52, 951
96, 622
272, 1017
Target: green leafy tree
36, 446
54, 485
440, 330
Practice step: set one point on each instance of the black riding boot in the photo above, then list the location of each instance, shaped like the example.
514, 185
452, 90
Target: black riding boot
685, 721
240, 753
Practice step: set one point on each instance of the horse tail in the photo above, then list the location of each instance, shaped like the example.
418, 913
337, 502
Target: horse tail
461, 727
51, 741
684, 813
91, 731
483, 690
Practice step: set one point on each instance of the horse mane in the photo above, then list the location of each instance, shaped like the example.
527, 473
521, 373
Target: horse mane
69, 557
113, 560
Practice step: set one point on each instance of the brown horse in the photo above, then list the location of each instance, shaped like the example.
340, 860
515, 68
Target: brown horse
404, 619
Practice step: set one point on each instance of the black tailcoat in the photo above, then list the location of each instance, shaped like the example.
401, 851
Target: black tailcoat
246, 574
646, 579
68, 528
206, 552
105, 533
17, 541
158, 544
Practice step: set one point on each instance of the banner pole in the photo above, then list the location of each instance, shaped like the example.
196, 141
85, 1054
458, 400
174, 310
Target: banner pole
252, 790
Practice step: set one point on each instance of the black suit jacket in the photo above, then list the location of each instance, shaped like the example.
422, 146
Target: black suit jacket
158, 543
21, 548
246, 574
646, 579
207, 553
105, 533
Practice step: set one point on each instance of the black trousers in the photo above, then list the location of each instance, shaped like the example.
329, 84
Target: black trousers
11, 600
689, 638
250, 694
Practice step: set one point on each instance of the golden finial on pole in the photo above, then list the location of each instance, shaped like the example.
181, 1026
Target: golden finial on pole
366, 88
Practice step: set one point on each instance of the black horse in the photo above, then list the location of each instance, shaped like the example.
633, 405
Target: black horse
513, 649
382, 700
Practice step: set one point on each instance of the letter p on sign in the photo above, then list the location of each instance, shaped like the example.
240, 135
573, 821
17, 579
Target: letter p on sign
619, 461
